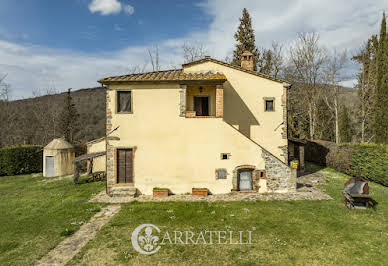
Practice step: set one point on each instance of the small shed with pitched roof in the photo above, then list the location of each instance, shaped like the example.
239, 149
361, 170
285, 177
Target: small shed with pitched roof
58, 158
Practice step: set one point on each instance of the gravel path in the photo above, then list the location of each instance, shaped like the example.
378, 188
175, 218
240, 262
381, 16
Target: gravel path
306, 190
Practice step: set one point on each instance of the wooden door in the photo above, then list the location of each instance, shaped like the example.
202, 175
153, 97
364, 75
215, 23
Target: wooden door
124, 166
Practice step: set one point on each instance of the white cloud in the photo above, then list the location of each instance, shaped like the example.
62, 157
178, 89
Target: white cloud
35, 67
339, 23
128, 9
108, 7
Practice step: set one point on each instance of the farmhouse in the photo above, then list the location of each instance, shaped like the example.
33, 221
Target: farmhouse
208, 125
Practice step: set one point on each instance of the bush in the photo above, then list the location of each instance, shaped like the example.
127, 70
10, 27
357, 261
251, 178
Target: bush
21, 160
369, 161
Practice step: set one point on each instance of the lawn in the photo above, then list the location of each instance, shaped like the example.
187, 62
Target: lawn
37, 213
294, 232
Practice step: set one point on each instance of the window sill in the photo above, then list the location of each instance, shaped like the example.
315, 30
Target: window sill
209, 116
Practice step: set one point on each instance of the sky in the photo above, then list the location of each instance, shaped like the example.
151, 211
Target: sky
55, 45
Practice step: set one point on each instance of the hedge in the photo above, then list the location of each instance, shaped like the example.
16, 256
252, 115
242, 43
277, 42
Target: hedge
21, 160
369, 161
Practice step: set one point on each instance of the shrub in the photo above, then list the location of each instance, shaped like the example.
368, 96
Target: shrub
21, 160
370, 161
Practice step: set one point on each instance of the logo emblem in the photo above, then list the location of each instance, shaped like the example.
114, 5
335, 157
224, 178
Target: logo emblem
143, 240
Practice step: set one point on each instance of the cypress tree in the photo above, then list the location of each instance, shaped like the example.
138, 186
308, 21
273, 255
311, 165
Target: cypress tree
68, 118
245, 38
345, 127
381, 101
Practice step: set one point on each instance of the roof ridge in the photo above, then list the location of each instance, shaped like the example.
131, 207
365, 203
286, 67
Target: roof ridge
210, 59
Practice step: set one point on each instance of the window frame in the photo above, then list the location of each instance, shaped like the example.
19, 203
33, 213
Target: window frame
117, 102
217, 174
227, 156
265, 103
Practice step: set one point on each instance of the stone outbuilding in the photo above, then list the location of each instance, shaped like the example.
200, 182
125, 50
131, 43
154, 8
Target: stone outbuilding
58, 158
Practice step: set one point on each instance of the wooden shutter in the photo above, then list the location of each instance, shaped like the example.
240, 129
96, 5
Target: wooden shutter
124, 166
128, 166
120, 166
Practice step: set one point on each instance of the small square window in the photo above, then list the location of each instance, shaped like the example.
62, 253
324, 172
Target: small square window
221, 173
269, 105
225, 156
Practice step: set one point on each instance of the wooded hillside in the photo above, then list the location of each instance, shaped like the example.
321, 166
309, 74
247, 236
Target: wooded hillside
35, 120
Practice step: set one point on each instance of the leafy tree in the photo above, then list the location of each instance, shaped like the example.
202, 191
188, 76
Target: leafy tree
68, 118
381, 102
366, 86
345, 125
245, 38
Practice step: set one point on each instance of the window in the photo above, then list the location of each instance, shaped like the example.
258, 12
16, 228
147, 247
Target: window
225, 156
221, 174
124, 102
269, 104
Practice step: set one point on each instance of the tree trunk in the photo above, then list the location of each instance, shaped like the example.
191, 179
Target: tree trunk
337, 136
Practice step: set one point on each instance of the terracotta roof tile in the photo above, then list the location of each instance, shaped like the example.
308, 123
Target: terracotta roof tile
167, 75
209, 59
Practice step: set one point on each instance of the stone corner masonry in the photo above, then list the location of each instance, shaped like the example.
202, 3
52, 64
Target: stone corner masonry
280, 177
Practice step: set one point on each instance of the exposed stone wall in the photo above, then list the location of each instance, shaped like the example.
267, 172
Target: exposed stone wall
279, 175
110, 154
285, 123
182, 100
219, 101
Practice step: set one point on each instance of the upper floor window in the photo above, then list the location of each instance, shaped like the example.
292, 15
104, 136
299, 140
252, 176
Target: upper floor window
269, 104
124, 101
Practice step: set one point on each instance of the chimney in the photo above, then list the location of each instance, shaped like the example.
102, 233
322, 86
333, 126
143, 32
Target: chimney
247, 60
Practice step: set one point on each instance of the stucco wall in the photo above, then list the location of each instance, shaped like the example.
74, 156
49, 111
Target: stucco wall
63, 161
172, 151
98, 162
244, 106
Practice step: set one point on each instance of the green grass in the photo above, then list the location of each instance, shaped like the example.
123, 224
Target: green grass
36, 215
286, 233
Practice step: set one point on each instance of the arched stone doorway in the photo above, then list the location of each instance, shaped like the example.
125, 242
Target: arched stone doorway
246, 172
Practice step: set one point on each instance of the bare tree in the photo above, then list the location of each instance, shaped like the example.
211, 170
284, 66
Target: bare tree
333, 77
193, 51
135, 69
307, 61
6, 114
154, 58
277, 59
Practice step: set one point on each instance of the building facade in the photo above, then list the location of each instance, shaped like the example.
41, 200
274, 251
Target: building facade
208, 125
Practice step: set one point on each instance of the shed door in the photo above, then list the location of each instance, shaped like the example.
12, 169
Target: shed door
245, 180
49, 166
124, 166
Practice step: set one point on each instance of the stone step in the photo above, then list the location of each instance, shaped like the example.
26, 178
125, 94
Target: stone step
123, 195
123, 191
